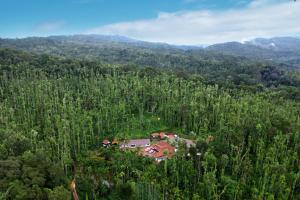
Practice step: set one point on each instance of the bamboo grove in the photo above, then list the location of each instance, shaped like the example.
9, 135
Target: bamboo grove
54, 116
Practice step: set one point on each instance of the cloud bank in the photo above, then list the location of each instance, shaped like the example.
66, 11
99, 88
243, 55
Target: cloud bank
260, 18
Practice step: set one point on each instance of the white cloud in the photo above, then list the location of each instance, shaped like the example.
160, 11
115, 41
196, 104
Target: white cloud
261, 18
50, 26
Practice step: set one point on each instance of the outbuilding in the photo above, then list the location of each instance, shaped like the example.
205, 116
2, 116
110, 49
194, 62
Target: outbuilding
105, 143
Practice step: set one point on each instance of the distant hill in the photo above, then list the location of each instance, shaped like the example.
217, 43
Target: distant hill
277, 43
113, 48
253, 62
100, 41
117, 49
280, 49
221, 65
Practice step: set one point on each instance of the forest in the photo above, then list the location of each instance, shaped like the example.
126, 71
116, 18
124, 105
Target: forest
55, 112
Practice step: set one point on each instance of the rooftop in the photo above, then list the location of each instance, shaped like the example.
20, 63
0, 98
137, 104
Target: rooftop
159, 150
136, 143
106, 141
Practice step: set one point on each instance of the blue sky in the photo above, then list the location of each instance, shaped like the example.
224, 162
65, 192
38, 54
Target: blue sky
151, 20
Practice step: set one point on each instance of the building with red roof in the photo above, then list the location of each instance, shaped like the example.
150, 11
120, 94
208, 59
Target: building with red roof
171, 136
159, 136
159, 151
162, 135
105, 143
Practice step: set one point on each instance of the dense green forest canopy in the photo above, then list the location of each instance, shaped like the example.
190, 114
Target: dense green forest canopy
251, 63
116, 49
225, 70
55, 112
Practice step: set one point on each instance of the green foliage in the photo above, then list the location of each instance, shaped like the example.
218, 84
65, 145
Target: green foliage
56, 112
59, 193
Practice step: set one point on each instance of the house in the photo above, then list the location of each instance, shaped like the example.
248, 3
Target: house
139, 143
159, 151
162, 135
115, 142
105, 143
155, 136
159, 136
172, 137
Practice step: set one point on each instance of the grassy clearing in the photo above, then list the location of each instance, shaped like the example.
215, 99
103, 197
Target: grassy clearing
141, 127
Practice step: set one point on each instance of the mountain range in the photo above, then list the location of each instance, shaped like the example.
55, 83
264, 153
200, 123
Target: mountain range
278, 49
281, 50
258, 61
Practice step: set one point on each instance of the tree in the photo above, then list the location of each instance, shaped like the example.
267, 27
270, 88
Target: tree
59, 193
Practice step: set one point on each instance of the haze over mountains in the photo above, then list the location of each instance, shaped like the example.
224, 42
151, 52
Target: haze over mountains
279, 49
258, 61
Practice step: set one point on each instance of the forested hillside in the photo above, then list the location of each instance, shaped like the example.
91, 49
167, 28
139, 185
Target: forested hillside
56, 111
116, 49
215, 66
278, 49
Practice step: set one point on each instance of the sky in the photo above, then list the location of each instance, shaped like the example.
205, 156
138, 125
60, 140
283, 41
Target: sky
181, 22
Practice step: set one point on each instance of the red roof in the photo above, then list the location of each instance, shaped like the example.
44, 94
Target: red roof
171, 136
160, 149
162, 135
106, 141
